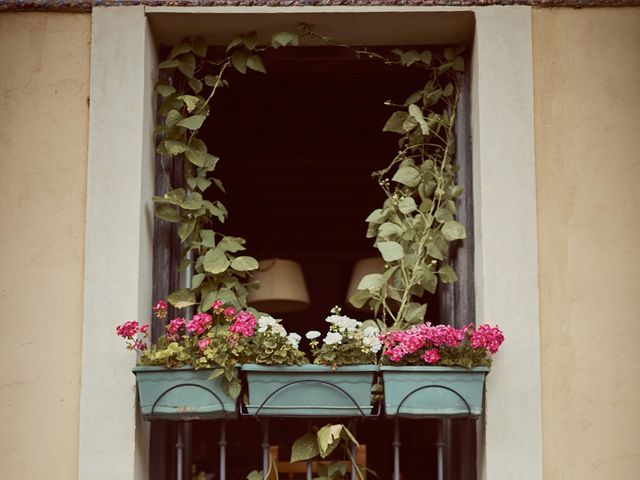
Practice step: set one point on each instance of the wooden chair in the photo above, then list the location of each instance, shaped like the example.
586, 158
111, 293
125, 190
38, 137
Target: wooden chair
298, 470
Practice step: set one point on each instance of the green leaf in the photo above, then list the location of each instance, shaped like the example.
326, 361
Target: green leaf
234, 389
216, 373
304, 448
187, 65
407, 205
453, 230
443, 215
449, 54
244, 264
186, 228
282, 39
447, 274
255, 475
167, 213
328, 439
434, 252
207, 301
239, 61
371, 281
409, 176
172, 63
202, 159
165, 90
389, 229
415, 312
359, 299
175, 197
250, 40
448, 90
395, 122
182, 298
254, 62
425, 57
197, 279
234, 43
458, 64
208, 238
215, 261
179, 50
391, 251
429, 281
199, 47
409, 58
192, 123
416, 113
232, 244
190, 101
377, 216
172, 118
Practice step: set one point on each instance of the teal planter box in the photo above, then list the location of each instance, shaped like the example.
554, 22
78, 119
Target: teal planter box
433, 391
182, 394
309, 390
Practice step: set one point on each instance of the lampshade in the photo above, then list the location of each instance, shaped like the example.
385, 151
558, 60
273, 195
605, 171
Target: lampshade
363, 267
282, 288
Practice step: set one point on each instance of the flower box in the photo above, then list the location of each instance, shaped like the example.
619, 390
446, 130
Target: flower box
425, 391
182, 394
310, 390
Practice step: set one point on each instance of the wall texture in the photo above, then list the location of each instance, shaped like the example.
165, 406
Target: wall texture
587, 121
44, 86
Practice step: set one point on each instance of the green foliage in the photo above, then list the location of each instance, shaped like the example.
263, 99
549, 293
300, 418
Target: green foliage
272, 345
416, 223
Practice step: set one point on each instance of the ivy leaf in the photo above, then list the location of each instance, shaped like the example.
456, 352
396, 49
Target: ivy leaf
416, 113
199, 47
282, 39
395, 122
171, 63
449, 54
458, 64
429, 281
165, 90
443, 215
175, 197
448, 90
415, 312
328, 439
167, 213
304, 448
219, 184
190, 101
239, 61
434, 252
192, 123
187, 65
193, 201
197, 279
215, 261
409, 176
207, 238
207, 301
179, 50
234, 388
182, 298
201, 159
232, 244
377, 216
372, 281
453, 230
186, 228
234, 43
172, 118
195, 84
390, 229
244, 264
409, 58
359, 299
407, 205
254, 62
425, 57
447, 274
391, 251
255, 475
250, 40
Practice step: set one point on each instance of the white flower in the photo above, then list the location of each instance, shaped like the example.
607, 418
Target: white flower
372, 343
294, 340
266, 322
333, 338
279, 330
371, 331
343, 323
311, 334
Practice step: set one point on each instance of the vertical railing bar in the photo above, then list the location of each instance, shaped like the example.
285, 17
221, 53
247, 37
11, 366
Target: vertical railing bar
223, 450
440, 450
309, 463
353, 462
265, 449
179, 452
396, 449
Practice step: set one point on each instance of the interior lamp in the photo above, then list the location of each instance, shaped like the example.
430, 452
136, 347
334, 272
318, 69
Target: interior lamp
282, 287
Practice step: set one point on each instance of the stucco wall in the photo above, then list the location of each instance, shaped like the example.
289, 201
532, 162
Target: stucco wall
587, 121
44, 85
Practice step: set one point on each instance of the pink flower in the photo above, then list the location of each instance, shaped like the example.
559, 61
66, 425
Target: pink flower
229, 312
128, 329
431, 356
217, 306
144, 328
161, 309
200, 323
139, 345
204, 343
175, 326
244, 324
487, 337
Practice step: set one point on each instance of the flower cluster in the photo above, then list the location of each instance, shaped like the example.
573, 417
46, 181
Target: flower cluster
129, 330
442, 344
273, 345
347, 342
243, 324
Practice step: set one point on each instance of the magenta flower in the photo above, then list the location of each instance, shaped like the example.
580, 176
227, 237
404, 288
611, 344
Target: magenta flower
139, 345
127, 329
431, 356
217, 306
200, 323
244, 324
204, 343
229, 312
487, 337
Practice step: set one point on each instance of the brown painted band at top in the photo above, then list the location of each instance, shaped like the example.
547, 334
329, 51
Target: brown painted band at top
87, 5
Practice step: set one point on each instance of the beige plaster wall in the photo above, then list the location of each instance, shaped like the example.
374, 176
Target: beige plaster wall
44, 85
587, 123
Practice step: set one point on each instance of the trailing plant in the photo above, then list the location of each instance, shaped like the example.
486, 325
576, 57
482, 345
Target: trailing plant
445, 345
348, 342
189, 84
416, 224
